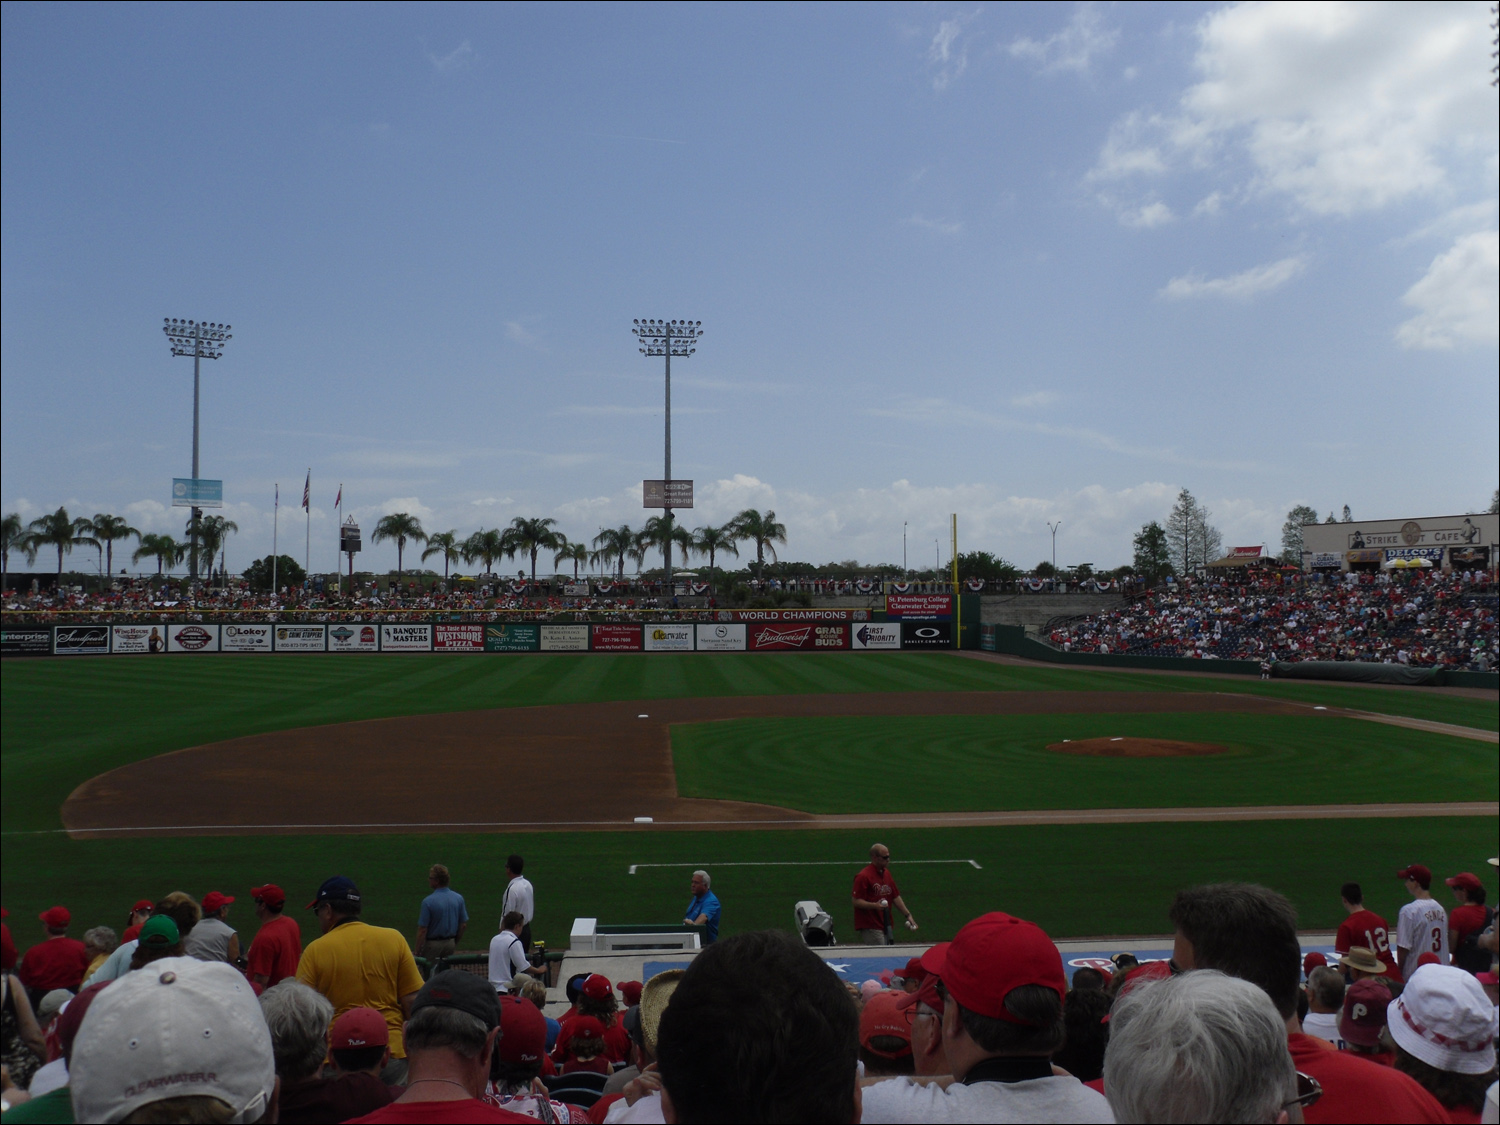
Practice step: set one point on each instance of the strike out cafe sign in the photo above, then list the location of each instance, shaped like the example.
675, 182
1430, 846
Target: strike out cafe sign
666, 494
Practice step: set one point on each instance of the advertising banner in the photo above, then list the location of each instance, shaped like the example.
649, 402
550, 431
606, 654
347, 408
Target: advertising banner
512, 638
80, 640
565, 638
1327, 560
925, 606
926, 634
1431, 554
34, 641
357, 637
200, 493
458, 638
130, 639
666, 494
803, 638
721, 638
575, 589
250, 637
1467, 558
617, 638
792, 615
300, 638
406, 638
875, 635
669, 638
192, 638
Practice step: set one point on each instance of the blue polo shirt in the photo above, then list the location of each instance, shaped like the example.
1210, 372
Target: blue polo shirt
706, 903
443, 911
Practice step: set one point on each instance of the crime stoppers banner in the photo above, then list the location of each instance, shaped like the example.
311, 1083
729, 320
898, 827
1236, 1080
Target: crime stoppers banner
300, 638
352, 638
801, 638
406, 638
875, 635
193, 638
458, 638
721, 638
565, 638
617, 638
512, 638
127, 640
926, 634
669, 638
242, 638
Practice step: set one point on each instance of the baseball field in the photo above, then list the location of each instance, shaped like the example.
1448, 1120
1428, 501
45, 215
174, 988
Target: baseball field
1079, 798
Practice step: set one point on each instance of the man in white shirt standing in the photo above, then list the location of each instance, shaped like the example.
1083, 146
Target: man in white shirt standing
520, 896
1422, 925
1002, 983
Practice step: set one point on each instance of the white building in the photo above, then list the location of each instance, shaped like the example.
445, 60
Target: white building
1465, 542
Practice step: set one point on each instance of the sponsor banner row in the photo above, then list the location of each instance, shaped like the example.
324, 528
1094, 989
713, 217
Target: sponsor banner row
724, 636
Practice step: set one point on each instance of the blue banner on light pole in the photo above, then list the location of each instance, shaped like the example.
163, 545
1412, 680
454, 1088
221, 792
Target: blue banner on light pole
189, 493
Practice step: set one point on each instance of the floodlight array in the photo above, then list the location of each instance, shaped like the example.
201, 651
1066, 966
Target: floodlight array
668, 337
198, 338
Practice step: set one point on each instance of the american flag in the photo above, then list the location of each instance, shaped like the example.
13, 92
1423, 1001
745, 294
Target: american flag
338, 501
307, 491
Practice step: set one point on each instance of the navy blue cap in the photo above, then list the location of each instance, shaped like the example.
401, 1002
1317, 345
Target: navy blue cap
338, 889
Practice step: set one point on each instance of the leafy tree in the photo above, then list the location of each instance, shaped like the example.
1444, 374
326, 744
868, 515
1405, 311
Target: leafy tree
283, 567
444, 543
108, 530
163, 548
213, 534
1291, 533
616, 544
1495, 502
399, 526
761, 529
1044, 569
1189, 534
575, 553
1330, 519
1348, 515
711, 541
485, 545
14, 537
982, 564
660, 530
1153, 555
59, 531
533, 535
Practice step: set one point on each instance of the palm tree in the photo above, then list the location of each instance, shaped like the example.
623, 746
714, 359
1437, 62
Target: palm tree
444, 543
711, 540
107, 530
15, 538
400, 527
533, 535
574, 553
614, 544
485, 546
57, 530
761, 529
163, 548
660, 529
213, 532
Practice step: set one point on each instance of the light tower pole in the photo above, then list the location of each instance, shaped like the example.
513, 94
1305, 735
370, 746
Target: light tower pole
667, 338
1054, 527
200, 340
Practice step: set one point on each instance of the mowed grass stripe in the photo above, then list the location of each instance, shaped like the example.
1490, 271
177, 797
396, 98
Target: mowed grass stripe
1075, 880
859, 764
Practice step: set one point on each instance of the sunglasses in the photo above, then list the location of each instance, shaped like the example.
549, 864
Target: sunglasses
1309, 1090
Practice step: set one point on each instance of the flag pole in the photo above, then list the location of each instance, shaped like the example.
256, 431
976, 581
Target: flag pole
307, 549
275, 523
338, 571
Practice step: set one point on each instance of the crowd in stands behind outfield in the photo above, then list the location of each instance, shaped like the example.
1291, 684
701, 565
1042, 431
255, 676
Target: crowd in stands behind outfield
1424, 618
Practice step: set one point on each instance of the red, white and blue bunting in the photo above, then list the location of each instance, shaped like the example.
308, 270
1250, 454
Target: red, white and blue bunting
975, 584
864, 585
901, 587
1035, 585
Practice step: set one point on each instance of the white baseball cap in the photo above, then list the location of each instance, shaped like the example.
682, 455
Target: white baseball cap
177, 1027
1444, 1018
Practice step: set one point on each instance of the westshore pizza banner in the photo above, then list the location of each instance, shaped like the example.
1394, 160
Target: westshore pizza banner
818, 633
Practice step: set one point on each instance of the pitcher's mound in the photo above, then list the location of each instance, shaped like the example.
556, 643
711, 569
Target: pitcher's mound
1136, 748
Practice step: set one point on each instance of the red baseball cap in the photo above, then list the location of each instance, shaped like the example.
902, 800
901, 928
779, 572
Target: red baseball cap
994, 955
270, 894
144, 904
359, 1027
1365, 1004
1467, 880
596, 987
630, 991
584, 1027
523, 1032
70, 1019
1313, 961
215, 900
913, 970
56, 917
927, 994
883, 1015
932, 960
1428, 958
1420, 873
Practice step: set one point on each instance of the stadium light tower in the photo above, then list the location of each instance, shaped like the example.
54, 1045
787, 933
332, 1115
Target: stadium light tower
667, 338
1054, 527
201, 340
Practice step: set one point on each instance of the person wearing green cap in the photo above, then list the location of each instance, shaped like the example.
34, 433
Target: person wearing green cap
159, 938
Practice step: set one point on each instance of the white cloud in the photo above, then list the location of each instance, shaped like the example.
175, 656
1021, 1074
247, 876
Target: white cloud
408, 504
1458, 299
1146, 216
1239, 286
455, 60
1034, 399
516, 332
490, 501
937, 226
1210, 204
1072, 48
948, 52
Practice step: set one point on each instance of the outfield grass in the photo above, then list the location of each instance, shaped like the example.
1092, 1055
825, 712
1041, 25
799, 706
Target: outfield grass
850, 764
1075, 880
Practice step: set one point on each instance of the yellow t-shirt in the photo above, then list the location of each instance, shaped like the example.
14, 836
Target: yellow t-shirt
361, 966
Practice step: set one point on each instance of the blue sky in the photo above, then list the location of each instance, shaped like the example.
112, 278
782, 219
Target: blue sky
1020, 262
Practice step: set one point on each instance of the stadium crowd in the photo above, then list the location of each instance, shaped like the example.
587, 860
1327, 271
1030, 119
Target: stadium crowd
1428, 618
170, 1021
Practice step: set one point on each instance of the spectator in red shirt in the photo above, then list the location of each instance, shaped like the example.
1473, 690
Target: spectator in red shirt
58, 962
1364, 927
277, 945
1467, 921
7, 945
140, 914
1250, 932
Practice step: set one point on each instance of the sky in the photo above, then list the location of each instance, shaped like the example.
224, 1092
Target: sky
1017, 263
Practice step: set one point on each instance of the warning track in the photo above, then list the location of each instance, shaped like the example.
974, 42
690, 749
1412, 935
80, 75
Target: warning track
580, 767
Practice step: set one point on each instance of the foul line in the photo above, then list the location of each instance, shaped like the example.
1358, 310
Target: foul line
804, 863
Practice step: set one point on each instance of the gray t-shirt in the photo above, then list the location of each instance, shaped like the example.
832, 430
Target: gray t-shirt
1036, 1099
208, 940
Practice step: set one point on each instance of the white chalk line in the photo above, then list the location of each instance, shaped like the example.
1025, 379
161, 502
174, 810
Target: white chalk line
974, 863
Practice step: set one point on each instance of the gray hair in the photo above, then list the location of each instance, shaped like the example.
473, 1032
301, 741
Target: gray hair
101, 938
298, 1017
1328, 986
707, 880
1200, 1047
439, 1029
